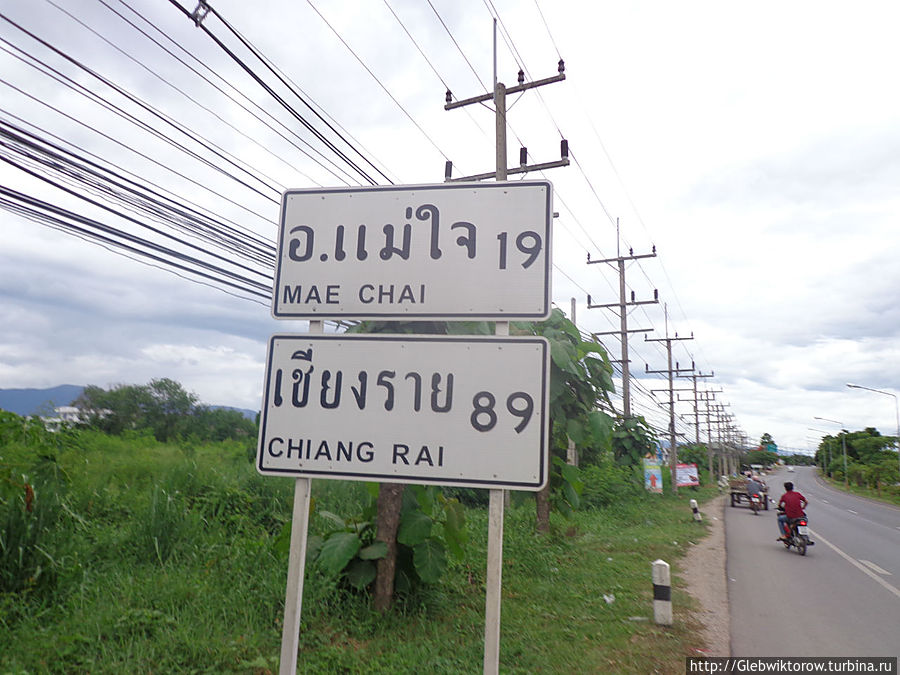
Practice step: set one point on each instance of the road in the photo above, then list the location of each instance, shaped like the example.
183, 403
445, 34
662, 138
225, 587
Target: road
841, 599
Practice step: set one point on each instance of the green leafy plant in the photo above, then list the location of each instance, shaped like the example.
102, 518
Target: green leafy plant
632, 440
29, 514
431, 526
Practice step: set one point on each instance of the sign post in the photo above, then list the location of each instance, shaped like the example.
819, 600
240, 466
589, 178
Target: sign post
469, 411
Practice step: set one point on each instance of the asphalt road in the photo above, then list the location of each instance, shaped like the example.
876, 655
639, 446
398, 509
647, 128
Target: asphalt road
841, 599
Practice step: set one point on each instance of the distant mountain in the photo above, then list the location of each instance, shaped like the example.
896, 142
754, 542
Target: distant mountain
36, 401
32, 401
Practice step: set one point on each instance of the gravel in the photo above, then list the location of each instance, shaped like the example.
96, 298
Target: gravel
703, 570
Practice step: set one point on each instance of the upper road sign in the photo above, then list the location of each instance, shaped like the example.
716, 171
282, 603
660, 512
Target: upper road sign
453, 251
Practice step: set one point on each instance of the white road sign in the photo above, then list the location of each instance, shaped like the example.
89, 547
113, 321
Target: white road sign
452, 251
464, 411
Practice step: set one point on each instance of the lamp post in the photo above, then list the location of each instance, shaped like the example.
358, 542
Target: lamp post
843, 442
896, 409
827, 449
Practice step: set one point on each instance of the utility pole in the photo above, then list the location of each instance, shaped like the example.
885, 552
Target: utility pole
705, 397
493, 580
671, 372
709, 456
623, 313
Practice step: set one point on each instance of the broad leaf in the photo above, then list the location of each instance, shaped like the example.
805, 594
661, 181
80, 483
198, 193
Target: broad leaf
571, 475
562, 354
313, 546
337, 551
570, 495
415, 527
374, 551
430, 560
575, 431
601, 426
361, 573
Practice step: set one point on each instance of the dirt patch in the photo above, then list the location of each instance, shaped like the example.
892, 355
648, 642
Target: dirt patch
703, 570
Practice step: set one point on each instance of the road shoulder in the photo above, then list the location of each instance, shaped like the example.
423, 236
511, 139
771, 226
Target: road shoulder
703, 570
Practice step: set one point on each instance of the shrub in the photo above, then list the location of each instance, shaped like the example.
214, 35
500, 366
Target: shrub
28, 518
608, 483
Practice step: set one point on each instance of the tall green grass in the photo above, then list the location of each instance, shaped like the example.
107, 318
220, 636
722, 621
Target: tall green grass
164, 559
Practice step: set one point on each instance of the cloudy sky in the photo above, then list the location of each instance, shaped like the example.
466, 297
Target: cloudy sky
754, 144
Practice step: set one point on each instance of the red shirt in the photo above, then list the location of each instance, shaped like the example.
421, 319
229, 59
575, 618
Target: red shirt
791, 501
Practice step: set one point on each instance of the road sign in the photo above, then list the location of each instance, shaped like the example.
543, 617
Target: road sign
451, 251
463, 411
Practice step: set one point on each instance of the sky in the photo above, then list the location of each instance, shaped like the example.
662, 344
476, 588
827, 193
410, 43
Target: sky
755, 145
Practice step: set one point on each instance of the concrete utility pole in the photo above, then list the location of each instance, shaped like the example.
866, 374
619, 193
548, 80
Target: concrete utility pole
623, 314
709, 454
493, 579
705, 397
671, 372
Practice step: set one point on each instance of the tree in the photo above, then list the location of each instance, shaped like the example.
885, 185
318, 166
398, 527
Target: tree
164, 407
632, 439
169, 408
580, 382
121, 408
219, 424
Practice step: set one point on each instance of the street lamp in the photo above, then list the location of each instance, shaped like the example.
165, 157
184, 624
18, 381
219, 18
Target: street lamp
896, 408
827, 449
843, 442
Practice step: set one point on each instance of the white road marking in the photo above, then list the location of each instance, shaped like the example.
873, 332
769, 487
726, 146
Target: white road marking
862, 568
824, 501
853, 512
870, 564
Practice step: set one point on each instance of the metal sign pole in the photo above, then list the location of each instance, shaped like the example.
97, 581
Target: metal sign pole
293, 600
494, 574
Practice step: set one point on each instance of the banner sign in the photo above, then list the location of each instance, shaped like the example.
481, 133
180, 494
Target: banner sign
686, 475
652, 475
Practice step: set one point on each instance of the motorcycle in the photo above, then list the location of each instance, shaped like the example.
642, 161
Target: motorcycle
799, 534
755, 503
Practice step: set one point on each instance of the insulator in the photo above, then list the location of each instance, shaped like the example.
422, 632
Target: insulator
448, 169
523, 156
561, 66
448, 97
564, 148
521, 76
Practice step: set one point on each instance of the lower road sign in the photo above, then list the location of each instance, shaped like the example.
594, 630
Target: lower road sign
466, 411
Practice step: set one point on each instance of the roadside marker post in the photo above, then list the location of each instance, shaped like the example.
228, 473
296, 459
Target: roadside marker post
662, 593
697, 515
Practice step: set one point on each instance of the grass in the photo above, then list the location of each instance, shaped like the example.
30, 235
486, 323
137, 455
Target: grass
889, 494
167, 561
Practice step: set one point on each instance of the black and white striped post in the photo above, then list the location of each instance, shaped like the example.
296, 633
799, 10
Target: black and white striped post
696, 511
662, 593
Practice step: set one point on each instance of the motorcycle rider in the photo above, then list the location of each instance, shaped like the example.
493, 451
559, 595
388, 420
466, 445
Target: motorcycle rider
754, 487
793, 504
